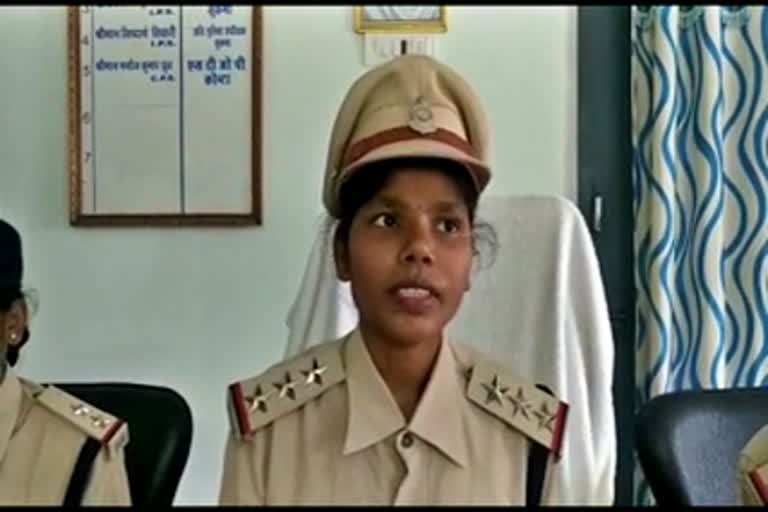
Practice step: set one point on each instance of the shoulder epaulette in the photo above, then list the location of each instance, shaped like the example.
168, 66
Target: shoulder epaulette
756, 485
753, 469
534, 412
284, 388
107, 429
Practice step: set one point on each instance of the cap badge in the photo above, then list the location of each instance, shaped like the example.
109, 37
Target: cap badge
422, 118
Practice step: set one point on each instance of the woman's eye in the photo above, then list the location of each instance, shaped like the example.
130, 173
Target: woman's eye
448, 225
384, 220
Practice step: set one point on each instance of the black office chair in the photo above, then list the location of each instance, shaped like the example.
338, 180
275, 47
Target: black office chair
688, 443
160, 431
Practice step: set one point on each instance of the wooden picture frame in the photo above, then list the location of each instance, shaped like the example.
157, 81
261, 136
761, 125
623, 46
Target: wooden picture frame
232, 185
401, 19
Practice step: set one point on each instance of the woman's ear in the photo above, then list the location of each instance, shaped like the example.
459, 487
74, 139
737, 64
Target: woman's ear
341, 259
15, 323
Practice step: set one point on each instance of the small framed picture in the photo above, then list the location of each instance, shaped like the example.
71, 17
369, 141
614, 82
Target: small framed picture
385, 19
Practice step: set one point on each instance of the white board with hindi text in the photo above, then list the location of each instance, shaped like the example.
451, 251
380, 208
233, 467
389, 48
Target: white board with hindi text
165, 108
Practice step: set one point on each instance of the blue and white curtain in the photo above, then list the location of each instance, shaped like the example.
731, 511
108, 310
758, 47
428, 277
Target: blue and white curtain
700, 177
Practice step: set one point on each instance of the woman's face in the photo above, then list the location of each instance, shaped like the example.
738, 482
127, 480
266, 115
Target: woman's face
409, 256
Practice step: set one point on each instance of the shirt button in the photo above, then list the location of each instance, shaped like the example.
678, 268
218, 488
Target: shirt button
407, 440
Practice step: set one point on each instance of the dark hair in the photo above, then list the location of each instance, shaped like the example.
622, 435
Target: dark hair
11, 270
7, 297
366, 183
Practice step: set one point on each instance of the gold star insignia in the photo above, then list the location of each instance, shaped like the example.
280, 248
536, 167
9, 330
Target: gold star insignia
545, 417
520, 404
99, 421
259, 400
80, 410
314, 374
285, 389
495, 391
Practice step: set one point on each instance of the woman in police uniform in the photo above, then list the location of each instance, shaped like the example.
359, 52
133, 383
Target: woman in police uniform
394, 413
54, 448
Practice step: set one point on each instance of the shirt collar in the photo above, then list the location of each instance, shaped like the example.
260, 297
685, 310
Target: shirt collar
374, 415
373, 412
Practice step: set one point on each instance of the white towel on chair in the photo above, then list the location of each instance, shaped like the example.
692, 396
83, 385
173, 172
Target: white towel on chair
540, 309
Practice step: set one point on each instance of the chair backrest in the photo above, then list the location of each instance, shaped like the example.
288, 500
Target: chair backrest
160, 429
688, 443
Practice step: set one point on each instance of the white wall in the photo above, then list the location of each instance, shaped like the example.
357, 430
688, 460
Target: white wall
197, 308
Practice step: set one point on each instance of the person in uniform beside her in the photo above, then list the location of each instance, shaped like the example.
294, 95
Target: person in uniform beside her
54, 448
394, 413
753, 469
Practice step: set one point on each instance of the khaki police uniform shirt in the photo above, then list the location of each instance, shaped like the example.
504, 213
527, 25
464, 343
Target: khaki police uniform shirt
42, 431
753, 469
348, 442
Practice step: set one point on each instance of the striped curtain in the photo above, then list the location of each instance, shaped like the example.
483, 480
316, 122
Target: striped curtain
700, 178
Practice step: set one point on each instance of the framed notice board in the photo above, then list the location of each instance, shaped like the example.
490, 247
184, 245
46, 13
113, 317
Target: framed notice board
165, 115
